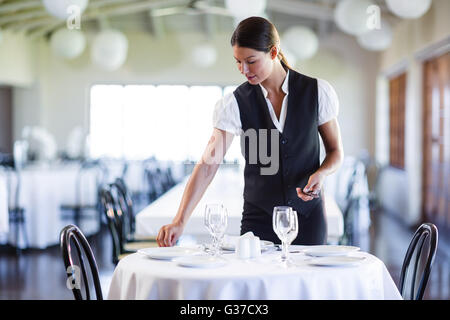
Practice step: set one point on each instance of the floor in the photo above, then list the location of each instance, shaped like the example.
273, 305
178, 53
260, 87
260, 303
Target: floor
39, 274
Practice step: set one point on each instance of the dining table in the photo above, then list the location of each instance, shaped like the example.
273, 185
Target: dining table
43, 189
196, 275
4, 216
226, 188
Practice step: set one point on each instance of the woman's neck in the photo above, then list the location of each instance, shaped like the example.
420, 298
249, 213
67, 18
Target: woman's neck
275, 81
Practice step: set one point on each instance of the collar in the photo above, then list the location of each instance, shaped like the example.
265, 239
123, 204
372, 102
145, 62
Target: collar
284, 86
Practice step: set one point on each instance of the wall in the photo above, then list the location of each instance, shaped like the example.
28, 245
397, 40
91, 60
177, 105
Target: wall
5, 119
17, 60
400, 191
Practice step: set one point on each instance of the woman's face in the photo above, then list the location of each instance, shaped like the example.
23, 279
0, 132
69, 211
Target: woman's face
255, 65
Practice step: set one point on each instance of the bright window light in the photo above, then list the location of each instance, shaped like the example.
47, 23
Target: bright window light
169, 122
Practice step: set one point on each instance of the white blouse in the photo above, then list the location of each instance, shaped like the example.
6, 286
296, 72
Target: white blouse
226, 112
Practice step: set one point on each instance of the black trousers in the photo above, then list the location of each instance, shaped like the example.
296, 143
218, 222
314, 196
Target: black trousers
312, 228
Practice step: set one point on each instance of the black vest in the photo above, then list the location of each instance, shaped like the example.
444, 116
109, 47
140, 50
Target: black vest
299, 148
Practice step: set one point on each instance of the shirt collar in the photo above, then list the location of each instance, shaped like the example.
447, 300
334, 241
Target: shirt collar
284, 86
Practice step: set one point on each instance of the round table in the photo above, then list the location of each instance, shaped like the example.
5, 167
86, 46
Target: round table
140, 277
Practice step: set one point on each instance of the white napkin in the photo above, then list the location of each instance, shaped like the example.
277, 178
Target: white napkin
248, 246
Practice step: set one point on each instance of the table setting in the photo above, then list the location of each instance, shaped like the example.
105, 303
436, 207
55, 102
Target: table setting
248, 268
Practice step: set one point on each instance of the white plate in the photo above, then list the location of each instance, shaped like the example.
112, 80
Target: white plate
200, 262
167, 253
336, 261
265, 245
329, 250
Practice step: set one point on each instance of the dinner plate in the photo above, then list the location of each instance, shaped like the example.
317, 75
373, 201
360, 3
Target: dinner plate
200, 262
167, 253
338, 261
265, 245
329, 250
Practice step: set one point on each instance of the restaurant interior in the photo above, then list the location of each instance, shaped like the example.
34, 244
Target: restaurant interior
107, 106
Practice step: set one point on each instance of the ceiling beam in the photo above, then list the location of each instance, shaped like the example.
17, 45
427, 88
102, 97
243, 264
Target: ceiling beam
19, 5
302, 9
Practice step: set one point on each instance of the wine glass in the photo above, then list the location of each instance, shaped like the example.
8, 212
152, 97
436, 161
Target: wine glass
285, 226
215, 219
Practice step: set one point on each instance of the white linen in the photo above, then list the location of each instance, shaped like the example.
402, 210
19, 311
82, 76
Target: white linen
139, 277
226, 188
43, 190
226, 112
4, 224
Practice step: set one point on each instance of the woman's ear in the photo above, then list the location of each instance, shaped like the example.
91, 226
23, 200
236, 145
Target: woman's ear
274, 52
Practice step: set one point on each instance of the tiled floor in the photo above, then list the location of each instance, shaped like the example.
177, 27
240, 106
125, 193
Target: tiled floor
39, 274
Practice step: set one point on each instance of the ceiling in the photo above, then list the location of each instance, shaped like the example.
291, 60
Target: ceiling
161, 16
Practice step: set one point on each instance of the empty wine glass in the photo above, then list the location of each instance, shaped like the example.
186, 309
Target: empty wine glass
215, 219
285, 226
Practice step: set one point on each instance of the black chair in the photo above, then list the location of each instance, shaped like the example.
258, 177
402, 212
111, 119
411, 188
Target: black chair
77, 275
15, 211
126, 212
114, 218
419, 257
76, 211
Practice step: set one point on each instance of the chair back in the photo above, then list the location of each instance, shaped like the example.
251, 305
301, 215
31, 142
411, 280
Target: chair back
124, 205
13, 182
78, 274
418, 262
108, 207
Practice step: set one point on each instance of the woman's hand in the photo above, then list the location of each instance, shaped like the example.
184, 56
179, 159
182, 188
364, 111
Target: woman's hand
169, 234
312, 189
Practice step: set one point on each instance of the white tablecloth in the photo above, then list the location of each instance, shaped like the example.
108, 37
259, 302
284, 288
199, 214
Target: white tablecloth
43, 190
139, 277
4, 225
226, 188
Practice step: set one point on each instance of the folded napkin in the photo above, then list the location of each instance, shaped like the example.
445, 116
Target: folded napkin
248, 246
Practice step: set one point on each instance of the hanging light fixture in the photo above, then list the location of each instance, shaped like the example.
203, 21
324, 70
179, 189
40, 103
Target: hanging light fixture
300, 41
204, 55
351, 16
68, 44
408, 9
109, 49
59, 8
377, 39
243, 9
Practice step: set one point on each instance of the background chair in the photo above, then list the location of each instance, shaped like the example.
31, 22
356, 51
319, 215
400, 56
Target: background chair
126, 213
15, 211
77, 274
114, 217
418, 261
76, 211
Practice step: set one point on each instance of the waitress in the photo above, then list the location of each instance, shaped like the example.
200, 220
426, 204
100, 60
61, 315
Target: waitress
274, 97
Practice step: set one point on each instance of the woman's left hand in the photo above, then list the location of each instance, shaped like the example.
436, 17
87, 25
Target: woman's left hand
313, 187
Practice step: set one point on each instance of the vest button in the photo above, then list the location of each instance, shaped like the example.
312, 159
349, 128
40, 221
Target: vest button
284, 141
289, 202
286, 155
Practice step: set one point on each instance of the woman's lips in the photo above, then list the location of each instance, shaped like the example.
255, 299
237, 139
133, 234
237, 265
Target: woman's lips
250, 78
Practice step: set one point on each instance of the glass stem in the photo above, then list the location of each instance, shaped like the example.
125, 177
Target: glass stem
285, 251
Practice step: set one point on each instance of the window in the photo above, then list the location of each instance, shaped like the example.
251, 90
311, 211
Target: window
397, 92
170, 122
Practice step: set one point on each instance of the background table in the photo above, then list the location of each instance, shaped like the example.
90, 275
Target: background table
227, 188
4, 224
140, 277
42, 192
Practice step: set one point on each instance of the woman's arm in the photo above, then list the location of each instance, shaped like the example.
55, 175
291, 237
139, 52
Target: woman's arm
331, 138
201, 177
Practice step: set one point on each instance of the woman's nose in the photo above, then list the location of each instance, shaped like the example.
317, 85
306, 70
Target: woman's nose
244, 68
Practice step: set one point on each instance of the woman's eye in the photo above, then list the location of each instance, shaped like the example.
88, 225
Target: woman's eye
251, 62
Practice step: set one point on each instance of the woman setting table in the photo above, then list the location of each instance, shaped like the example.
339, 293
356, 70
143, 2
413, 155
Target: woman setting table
286, 111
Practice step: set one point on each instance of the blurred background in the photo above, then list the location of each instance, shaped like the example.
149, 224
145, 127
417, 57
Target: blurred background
92, 91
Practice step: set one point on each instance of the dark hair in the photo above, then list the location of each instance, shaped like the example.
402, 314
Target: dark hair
259, 34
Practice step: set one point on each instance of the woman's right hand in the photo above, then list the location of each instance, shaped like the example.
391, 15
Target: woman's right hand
169, 234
